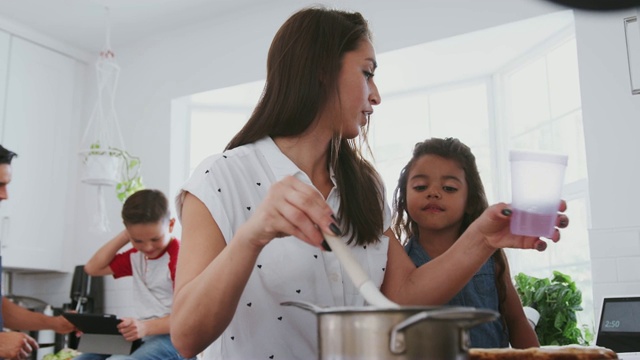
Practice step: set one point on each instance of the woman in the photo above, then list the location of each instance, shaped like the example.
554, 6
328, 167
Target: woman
253, 217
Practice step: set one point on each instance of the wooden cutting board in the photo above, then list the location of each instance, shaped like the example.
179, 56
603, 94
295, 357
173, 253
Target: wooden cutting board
569, 352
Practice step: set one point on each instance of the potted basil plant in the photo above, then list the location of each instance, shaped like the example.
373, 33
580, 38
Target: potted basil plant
556, 299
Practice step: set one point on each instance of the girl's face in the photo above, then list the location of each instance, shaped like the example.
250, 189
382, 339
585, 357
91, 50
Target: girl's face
436, 193
357, 89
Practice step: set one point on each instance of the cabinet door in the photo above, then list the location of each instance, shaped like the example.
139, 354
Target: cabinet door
4, 66
39, 109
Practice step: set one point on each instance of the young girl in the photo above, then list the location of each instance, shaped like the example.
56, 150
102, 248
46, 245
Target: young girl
439, 194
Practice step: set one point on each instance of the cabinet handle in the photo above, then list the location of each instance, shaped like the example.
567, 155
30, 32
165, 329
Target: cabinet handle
4, 232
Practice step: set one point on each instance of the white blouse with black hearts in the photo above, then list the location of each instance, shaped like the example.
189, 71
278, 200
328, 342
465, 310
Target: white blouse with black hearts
232, 185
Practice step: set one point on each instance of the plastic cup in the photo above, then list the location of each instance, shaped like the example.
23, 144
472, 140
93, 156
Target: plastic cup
536, 185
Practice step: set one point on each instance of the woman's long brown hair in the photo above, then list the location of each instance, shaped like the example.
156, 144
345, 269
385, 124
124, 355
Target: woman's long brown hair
303, 64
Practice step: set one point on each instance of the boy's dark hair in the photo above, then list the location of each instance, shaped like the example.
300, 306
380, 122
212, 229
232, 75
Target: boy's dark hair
6, 155
145, 207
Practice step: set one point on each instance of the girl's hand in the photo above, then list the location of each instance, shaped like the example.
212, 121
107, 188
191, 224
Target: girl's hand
291, 207
494, 225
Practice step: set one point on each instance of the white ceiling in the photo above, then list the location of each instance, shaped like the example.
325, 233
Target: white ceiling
82, 23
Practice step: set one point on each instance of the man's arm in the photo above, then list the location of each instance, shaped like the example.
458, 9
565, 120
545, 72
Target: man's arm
19, 318
98, 265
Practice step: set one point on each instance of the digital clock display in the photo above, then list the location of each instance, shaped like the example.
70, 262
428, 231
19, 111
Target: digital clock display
621, 316
611, 324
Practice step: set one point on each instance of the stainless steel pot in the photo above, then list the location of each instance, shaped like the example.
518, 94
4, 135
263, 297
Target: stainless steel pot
405, 333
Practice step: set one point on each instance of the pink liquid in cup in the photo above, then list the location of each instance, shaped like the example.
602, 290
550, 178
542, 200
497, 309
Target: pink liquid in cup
532, 224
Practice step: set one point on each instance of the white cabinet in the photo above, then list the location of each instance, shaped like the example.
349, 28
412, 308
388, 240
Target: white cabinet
38, 115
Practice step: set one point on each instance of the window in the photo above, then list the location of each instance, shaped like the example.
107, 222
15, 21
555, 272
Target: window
216, 116
409, 118
543, 112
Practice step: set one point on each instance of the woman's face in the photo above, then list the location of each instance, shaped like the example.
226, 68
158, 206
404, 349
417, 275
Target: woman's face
357, 90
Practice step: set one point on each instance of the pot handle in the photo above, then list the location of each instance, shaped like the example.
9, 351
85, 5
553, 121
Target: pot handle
303, 305
397, 343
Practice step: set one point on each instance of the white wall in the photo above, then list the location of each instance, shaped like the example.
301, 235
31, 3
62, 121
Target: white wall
611, 117
232, 49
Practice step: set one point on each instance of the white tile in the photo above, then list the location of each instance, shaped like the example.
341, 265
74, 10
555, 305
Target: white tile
604, 271
606, 244
50, 288
628, 268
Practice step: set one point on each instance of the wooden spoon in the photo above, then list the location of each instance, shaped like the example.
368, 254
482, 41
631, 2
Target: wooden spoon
360, 279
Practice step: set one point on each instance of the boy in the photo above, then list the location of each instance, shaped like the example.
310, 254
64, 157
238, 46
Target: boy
152, 263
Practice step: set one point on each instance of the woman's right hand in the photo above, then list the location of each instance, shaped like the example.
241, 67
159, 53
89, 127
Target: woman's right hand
291, 207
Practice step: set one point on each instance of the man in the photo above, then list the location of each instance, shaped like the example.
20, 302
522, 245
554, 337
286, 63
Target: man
14, 344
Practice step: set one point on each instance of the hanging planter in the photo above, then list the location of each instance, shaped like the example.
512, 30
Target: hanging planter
100, 168
112, 167
104, 160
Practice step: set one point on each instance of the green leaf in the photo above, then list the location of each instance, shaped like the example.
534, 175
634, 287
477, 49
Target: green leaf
131, 177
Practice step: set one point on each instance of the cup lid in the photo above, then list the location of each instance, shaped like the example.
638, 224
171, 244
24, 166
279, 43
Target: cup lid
540, 156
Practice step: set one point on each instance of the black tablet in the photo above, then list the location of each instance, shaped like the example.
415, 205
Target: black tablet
94, 323
100, 334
